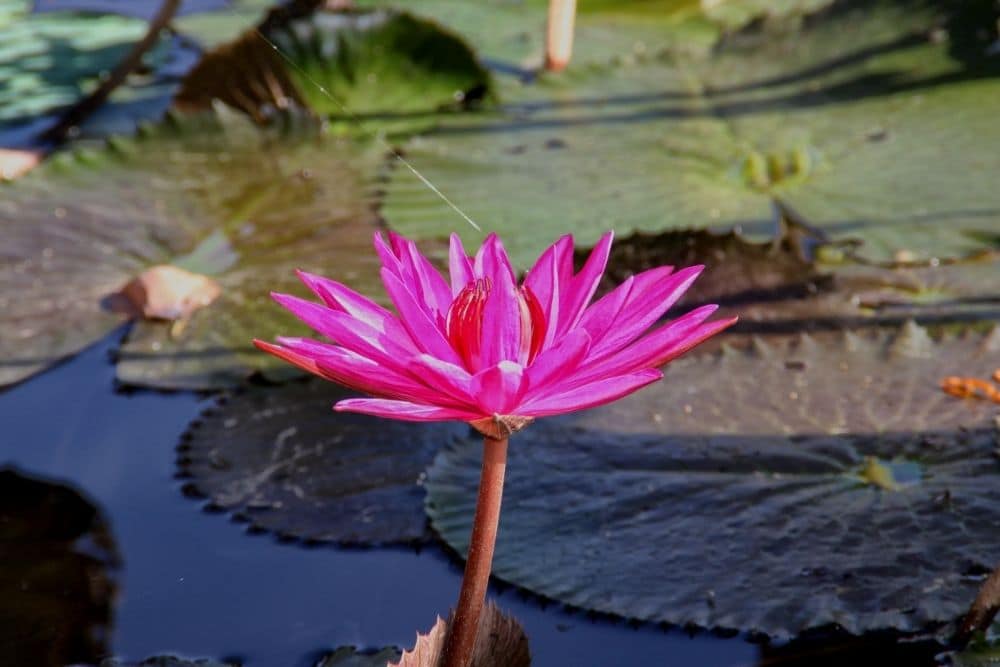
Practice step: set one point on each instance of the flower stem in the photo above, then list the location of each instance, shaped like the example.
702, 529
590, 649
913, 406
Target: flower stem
464, 627
559, 34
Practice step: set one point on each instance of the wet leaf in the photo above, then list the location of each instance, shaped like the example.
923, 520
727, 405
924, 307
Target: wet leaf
15, 162
167, 661
385, 68
513, 33
348, 657
212, 195
775, 489
501, 642
861, 124
735, 14
213, 27
772, 287
58, 575
48, 61
167, 293
284, 461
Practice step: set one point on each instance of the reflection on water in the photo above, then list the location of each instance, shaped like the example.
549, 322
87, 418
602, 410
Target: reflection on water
57, 581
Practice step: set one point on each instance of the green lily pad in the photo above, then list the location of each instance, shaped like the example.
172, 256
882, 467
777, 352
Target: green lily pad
513, 33
213, 195
370, 65
167, 661
214, 27
771, 286
282, 460
349, 657
58, 578
49, 61
774, 489
862, 124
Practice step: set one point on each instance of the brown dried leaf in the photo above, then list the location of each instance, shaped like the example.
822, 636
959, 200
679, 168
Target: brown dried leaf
14, 162
166, 292
501, 643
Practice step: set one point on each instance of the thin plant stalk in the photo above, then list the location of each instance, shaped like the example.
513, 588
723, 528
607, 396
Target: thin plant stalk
464, 627
559, 34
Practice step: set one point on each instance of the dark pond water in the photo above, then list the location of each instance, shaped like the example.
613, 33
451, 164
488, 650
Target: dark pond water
196, 584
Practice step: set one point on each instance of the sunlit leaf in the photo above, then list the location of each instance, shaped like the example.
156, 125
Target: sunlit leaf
863, 124
500, 642
212, 195
48, 61
374, 66
57, 580
284, 461
772, 286
775, 489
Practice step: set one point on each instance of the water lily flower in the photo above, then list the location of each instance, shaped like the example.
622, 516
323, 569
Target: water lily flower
481, 348
480, 345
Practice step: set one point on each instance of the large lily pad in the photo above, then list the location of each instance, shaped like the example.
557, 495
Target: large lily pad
49, 61
774, 489
343, 64
773, 286
862, 123
282, 460
213, 195
58, 575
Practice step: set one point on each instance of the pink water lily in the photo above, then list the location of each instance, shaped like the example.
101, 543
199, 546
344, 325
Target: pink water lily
480, 345
481, 348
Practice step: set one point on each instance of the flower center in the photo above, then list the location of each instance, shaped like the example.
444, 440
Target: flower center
464, 324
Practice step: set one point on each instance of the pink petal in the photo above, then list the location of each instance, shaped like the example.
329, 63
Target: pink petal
599, 317
304, 362
388, 256
459, 266
590, 395
498, 389
448, 379
343, 329
340, 297
501, 333
582, 287
546, 280
405, 411
558, 362
651, 296
492, 261
425, 280
660, 346
424, 332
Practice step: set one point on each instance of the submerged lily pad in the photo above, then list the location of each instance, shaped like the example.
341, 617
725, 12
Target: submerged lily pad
863, 124
282, 460
58, 576
212, 195
384, 64
774, 489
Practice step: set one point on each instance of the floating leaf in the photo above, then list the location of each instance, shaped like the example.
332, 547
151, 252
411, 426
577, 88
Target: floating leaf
350, 65
284, 461
211, 28
735, 14
167, 661
500, 642
349, 657
862, 124
57, 580
212, 195
513, 33
772, 287
49, 61
774, 489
